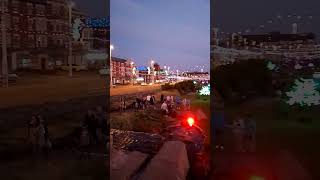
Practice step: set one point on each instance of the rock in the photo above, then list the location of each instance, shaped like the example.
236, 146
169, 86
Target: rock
171, 163
124, 165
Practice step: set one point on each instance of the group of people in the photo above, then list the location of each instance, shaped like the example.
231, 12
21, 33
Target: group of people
95, 128
244, 130
169, 104
143, 103
38, 134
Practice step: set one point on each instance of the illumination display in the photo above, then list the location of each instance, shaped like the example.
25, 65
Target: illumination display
271, 66
77, 28
98, 22
205, 90
304, 93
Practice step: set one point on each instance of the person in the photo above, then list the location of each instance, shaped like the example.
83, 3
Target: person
188, 104
152, 100
168, 98
39, 133
148, 99
250, 133
31, 136
47, 145
138, 103
184, 104
91, 123
121, 103
239, 135
162, 98
164, 108
124, 106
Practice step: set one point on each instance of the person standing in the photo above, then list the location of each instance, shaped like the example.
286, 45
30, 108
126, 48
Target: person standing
162, 98
149, 99
250, 133
164, 108
47, 145
239, 134
31, 136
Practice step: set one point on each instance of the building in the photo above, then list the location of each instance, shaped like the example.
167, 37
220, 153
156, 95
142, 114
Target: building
97, 35
33, 28
38, 34
122, 71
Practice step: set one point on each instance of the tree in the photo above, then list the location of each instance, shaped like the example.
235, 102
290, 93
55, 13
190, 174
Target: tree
243, 78
304, 92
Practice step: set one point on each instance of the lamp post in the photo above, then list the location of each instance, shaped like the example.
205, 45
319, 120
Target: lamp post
71, 4
4, 47
110, 59
152, 71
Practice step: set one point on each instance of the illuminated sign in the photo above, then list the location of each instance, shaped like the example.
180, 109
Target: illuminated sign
98, 22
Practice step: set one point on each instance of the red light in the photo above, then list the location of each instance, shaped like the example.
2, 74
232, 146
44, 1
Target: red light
190, 121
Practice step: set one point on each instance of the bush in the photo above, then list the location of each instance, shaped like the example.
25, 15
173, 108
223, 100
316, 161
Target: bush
245, 78
167, 87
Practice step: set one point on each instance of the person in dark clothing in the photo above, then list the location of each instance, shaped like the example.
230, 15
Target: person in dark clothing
92, 124
162, 98
151, 101
138, 102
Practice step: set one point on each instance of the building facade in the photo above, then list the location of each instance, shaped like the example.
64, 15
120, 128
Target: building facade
38, 34
122, 71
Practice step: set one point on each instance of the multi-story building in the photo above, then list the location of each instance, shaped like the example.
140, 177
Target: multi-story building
122, 71
38, 34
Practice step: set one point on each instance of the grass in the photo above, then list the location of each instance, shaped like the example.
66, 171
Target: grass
203, 105
142, 121
276, 132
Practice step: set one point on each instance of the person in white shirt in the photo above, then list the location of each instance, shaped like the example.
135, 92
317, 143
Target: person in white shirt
148, 98
164, 107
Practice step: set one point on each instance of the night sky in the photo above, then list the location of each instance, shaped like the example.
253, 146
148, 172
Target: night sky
94, 8
175, 33
236, 15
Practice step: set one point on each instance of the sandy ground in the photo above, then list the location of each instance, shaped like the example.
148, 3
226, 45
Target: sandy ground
37, 89
129, 89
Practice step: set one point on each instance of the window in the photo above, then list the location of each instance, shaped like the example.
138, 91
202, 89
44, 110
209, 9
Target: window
31, 41
62, 11
15, 5
29, 8
40, 9
30, 24
16, 21
16, 40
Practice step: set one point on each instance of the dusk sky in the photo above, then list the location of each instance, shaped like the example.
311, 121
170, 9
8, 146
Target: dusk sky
235, 15
94, 8
174, 33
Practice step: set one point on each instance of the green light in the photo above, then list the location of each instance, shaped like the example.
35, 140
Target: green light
271, 66
256, 178
205, 90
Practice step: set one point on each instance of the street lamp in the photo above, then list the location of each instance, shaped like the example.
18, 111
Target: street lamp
110, 59
4, 46
70, 5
